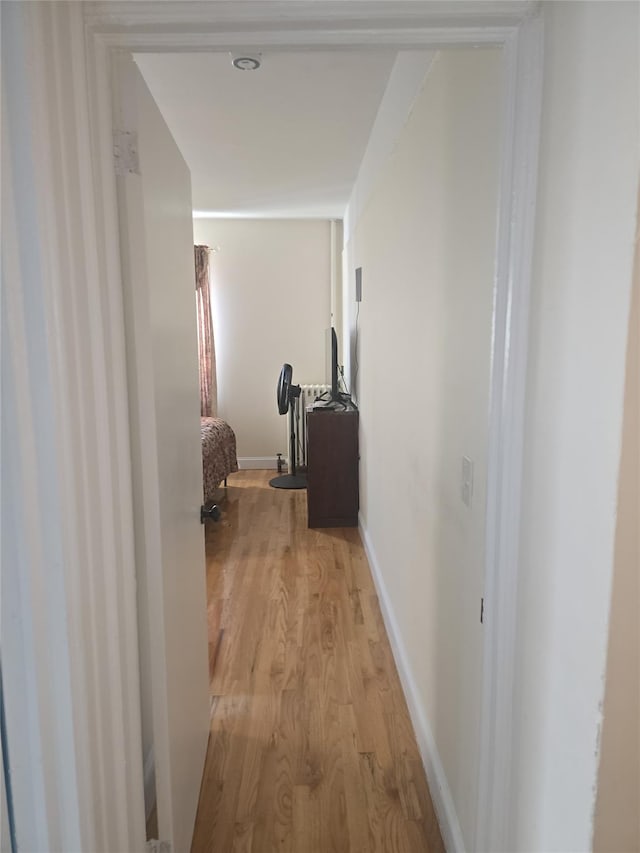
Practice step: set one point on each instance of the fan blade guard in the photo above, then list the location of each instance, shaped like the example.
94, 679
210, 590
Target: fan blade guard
284, 384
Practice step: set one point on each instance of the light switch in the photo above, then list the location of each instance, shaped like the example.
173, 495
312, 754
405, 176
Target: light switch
467, 481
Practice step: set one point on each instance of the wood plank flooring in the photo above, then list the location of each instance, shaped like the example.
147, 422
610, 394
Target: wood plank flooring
311, 747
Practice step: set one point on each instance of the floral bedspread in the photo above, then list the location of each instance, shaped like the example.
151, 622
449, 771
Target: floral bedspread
218, 454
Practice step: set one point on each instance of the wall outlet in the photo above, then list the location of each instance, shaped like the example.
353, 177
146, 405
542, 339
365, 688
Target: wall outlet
467, 481
359, 284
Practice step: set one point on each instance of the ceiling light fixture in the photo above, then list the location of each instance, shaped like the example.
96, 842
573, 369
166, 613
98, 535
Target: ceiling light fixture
246, 63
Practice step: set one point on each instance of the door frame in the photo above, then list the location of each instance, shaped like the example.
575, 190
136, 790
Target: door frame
74, 86
517, 29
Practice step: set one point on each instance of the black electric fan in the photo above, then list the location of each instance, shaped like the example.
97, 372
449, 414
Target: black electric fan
287, 395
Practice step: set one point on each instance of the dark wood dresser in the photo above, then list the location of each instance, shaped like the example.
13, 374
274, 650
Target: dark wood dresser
332, 468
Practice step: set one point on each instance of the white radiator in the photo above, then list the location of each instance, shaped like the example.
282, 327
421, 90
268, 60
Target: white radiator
308, 394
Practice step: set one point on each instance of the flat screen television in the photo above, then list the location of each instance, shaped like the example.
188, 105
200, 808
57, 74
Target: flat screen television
333, 399
335, 393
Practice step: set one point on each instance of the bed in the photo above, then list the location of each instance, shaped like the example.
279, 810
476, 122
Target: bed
218, 454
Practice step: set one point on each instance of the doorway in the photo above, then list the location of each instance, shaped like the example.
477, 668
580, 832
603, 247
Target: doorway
109, 29
483, 486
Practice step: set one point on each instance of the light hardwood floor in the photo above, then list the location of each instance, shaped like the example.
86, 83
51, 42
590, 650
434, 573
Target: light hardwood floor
311, 747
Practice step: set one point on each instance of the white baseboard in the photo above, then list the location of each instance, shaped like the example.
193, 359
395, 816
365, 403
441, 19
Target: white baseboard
258, 462
438, 785
149, 782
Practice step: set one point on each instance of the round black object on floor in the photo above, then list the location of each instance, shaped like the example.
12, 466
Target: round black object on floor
289, 481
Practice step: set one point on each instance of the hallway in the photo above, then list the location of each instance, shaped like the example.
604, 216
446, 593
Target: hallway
311, 747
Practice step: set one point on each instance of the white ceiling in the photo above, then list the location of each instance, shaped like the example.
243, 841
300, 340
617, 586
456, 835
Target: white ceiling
283, 141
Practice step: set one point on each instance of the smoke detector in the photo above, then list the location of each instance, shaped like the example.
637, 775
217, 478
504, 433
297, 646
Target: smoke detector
245, 62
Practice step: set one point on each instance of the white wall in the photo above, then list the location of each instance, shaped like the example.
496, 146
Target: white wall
404, 86
580, 308
617, 819
425, 240
271, 294
337, 299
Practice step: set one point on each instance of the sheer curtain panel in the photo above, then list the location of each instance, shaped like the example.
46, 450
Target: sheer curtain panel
206, 347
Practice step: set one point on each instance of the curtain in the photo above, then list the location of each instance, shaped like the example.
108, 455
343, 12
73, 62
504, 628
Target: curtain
206, 348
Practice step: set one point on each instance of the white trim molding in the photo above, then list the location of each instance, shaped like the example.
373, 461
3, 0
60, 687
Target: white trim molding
292, 24
74, 728
438, 785
514, 252
379, 15
258, 463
